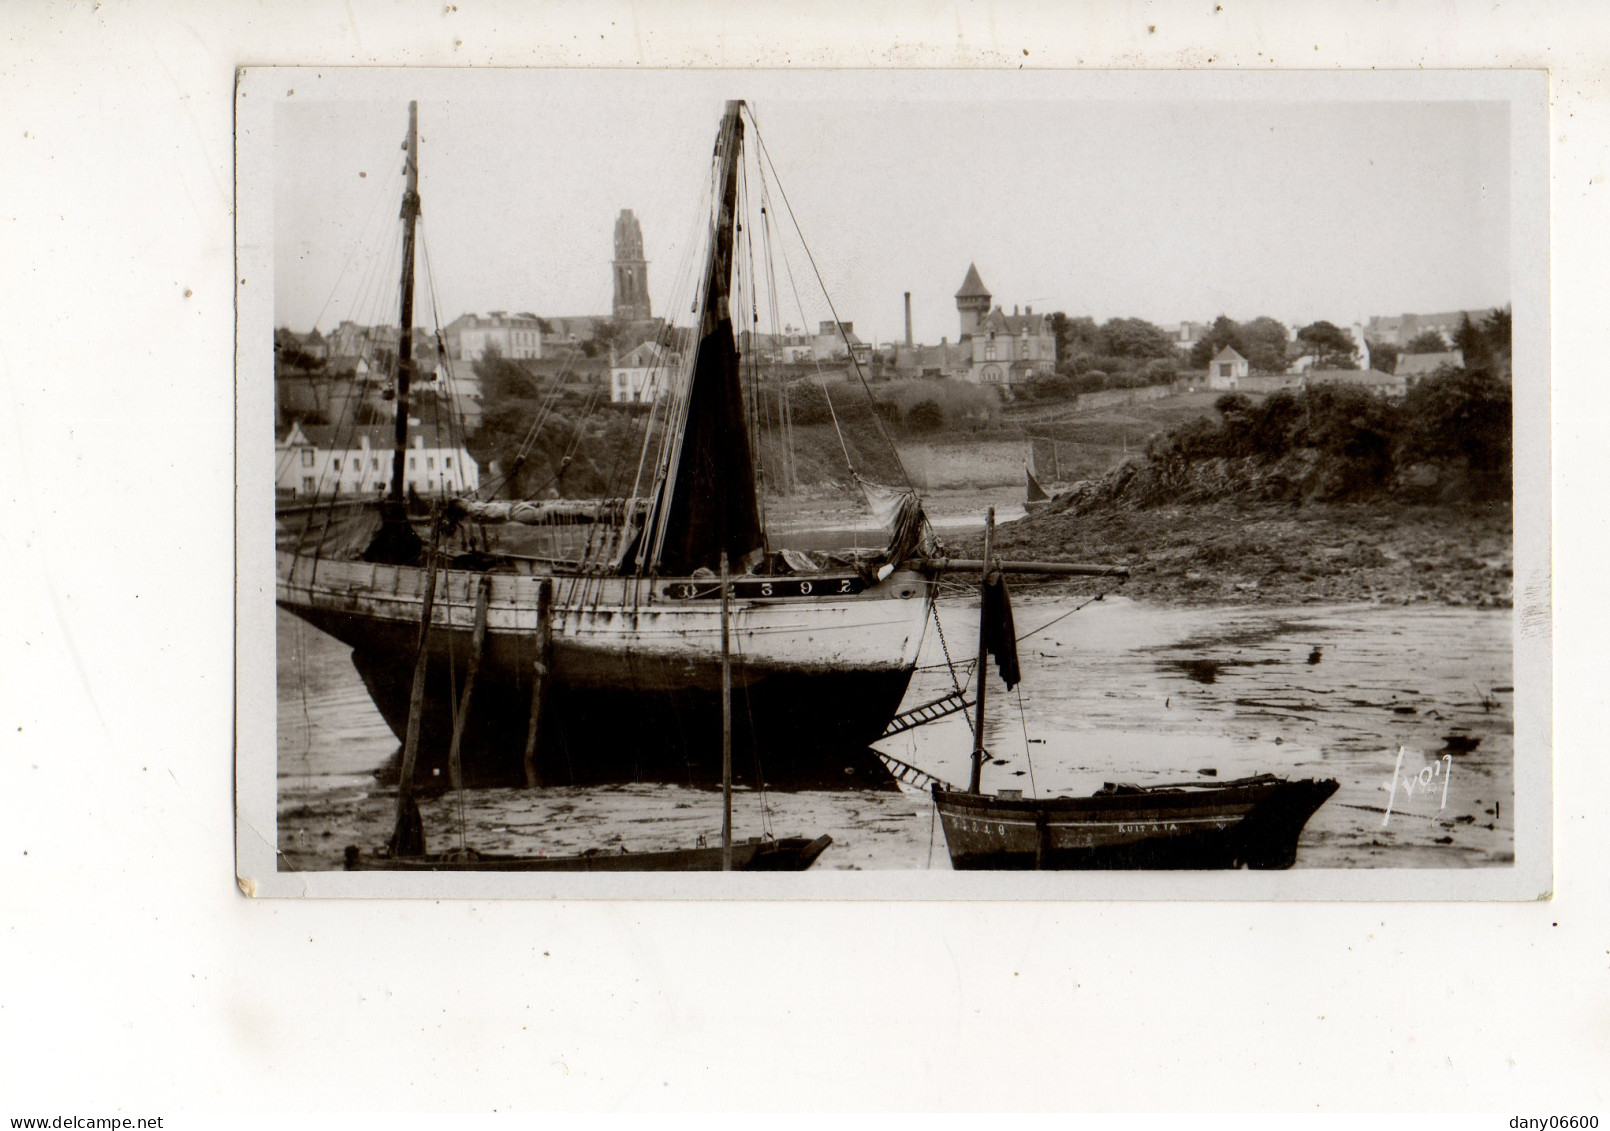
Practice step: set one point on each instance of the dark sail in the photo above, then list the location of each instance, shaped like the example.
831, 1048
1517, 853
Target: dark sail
1000, 634
712, 504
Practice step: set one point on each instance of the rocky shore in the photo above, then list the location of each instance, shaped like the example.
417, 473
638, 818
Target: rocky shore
1381, 552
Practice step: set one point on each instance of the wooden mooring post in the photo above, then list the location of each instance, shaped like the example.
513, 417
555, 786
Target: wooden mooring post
541, 669
408, 836
455, 765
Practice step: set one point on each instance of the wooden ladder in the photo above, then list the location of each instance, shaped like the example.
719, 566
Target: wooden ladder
909, 774
927, 713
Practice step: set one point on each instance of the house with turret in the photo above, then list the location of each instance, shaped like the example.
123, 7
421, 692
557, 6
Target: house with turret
1007, 349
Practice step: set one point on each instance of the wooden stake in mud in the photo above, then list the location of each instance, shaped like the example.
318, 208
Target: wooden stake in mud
726, 726
408, 837
539, 679
483, 600
975, 782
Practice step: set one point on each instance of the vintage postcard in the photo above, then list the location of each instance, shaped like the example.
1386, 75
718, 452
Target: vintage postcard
974, 485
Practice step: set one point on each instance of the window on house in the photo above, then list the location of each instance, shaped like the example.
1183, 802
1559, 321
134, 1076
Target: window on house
430, 463
413, 463
448, 462
307, 457
335, 464
374, 464
307, 483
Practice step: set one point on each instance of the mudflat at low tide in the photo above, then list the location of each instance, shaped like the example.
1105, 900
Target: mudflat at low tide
1410, 709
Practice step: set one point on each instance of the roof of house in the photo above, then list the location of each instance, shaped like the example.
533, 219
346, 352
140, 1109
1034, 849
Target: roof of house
648, 355
381, 437
1228, 353
1354, 376
1415, 364
933, 357
1014, 324
973, 286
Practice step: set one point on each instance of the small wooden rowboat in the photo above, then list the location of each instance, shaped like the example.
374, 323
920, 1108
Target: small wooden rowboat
790, 854
1250, 823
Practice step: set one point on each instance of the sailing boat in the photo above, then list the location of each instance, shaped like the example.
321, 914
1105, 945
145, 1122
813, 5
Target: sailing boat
1035, 497
406, 850
1252, 822
631, 681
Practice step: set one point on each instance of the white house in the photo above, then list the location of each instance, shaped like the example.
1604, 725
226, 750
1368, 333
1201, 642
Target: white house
1008, 349
641, 375
471, 336
311, 461
1227, 370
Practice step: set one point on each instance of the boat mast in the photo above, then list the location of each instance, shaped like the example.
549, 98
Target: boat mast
975, 782
405, 343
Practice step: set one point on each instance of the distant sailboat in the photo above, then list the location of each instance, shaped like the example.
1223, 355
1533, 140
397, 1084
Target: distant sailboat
1035, 496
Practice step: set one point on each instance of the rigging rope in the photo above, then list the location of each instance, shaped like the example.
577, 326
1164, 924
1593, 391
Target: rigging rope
1034, 790
1069, 612
837, 323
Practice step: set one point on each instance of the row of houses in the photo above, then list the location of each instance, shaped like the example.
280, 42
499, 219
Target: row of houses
1230, 372
314, 461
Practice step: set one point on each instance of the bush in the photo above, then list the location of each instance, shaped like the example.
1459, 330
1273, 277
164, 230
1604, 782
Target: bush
1050, 387
959, 403
925, 416
1459, 419
808, 402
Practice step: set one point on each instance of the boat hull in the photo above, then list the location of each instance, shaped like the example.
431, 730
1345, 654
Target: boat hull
634, 692
1253, 823
788, 854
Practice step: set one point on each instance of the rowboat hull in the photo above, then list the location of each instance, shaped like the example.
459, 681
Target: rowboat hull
1253, 823
635, 684
789, 854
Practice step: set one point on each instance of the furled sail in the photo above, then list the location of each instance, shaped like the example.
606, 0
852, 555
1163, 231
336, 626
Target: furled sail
547, 512
710, 505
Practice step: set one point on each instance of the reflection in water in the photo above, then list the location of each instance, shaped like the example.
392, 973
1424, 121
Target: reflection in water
1118, 692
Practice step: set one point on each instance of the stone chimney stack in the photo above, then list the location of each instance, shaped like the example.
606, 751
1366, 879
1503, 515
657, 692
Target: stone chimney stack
908, 319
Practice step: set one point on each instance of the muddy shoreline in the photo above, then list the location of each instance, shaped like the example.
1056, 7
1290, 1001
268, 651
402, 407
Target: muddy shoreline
1234, 553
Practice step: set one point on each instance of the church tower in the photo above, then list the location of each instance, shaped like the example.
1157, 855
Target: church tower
972, 301
631, 270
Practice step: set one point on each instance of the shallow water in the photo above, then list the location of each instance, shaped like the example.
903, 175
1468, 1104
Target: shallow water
1117, 691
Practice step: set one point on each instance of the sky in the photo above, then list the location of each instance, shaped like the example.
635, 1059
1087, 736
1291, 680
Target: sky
1164, 208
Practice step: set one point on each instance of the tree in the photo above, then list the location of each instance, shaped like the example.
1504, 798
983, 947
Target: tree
1135, 337
1223, 332
1471, 342
1463, 414
1498, 329
1077, 338
1384, 356
1426, 341
1263, 344
1331, 346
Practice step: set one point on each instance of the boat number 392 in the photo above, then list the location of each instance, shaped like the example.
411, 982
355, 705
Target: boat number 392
770, 587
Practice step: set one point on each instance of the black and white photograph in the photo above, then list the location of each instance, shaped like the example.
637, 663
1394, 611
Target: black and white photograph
899, 475
732, 558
